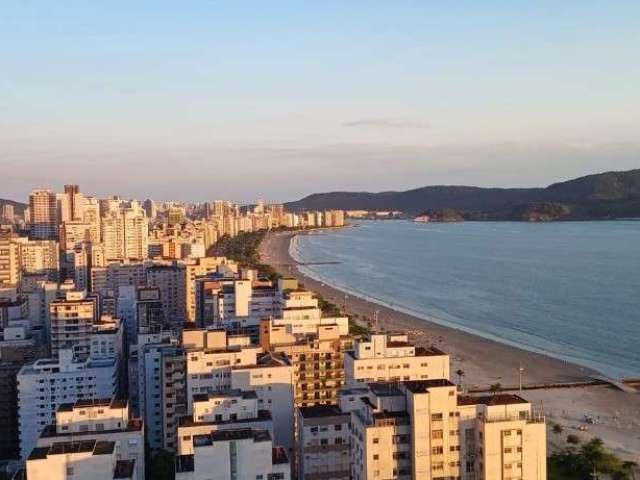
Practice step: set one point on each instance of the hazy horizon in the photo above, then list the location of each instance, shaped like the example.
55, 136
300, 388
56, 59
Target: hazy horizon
281, 100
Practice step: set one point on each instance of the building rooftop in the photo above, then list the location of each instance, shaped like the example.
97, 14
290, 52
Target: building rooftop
421, 386
318, 411
187, 421
132, 425
429, 351
491, 400
246, 394
385, 389
229, 435
98, 402
65, 448
270, 359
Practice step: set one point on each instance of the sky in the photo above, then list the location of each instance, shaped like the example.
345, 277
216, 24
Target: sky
200, 100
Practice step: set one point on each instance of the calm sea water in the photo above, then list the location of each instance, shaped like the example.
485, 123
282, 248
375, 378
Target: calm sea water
570, 290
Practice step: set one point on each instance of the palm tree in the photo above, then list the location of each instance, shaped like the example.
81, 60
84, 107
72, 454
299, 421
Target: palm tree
630, 467
460, 374
495, 388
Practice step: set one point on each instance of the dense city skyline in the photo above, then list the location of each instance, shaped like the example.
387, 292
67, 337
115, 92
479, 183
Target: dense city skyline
312, 98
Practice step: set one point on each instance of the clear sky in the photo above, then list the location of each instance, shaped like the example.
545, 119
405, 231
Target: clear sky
242, 99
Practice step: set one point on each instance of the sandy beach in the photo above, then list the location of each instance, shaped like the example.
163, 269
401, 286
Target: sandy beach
486, 362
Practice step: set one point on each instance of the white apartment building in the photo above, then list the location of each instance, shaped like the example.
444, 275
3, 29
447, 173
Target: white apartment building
423, 430
210, 357
390, 357
323, 443
272, 378
103, 420
300, 314
197, 268
503, 438
230, 410
84, 459
125, 234
46, 384
243, 303
40, 293
234, 454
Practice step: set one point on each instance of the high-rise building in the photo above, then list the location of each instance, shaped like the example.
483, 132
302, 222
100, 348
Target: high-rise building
150, 209
10, 265
43, 211
148, 310
73, 320
424, 429
315, 345
102, 420
125, 234
46, 384
8, 213
90, 459
323, 443
234, 454
72, 191
175, 215
242, 303
228, 410
171, 280
12, 359
272, 378
194, 269
210, 356
161, 392
40, 257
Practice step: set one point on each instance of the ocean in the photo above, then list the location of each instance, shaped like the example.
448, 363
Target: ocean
570, 290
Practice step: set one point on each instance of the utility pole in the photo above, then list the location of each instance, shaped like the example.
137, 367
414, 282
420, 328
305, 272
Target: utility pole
520, 373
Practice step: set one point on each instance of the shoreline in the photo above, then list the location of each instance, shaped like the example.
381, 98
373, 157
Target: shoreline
486, 362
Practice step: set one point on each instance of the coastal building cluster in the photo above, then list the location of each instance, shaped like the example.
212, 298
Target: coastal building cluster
124, 340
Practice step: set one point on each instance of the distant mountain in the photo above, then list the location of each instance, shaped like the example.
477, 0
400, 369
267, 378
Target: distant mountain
604, 195
18, 206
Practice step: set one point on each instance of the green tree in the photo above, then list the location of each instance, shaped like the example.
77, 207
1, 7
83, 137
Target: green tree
573, 439
160, 466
